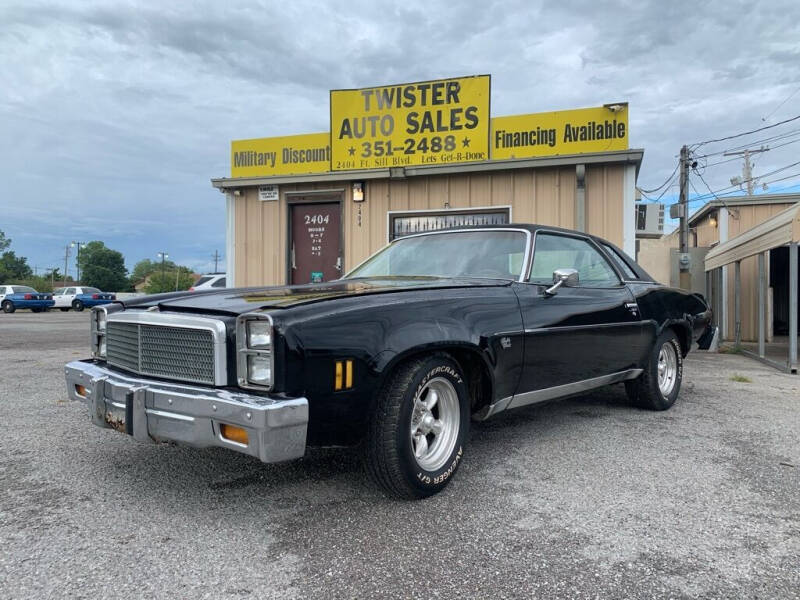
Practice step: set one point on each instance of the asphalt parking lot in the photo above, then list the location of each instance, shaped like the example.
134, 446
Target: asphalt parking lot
587, 498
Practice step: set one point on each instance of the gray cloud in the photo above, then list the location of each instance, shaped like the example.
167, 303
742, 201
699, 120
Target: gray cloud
114, 115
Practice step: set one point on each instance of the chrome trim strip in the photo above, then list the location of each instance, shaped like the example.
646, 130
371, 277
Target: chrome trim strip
566, 328
170, 319
558, 391
168, 415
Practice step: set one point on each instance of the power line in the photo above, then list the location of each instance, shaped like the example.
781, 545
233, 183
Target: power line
766, 140
667, 181
752, 131
781, 104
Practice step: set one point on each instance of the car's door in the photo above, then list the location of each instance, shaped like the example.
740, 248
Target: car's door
3, 292
581, 332
69, 296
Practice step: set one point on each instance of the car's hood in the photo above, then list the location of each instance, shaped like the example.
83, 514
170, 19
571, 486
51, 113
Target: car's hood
241, 300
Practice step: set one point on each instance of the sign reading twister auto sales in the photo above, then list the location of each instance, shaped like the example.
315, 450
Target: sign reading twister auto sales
287, 155
583, 130
430, 122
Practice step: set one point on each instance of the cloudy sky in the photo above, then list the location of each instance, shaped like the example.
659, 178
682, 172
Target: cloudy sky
115, 115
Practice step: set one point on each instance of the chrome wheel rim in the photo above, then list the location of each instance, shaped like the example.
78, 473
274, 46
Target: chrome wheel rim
435, 421
667, 368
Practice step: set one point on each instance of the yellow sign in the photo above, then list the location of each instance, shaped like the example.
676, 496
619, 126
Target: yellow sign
430, 122
288, 155
563, 132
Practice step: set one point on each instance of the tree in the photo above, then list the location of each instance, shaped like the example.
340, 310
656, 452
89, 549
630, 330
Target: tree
13, 266
103, 268
166, 281
4, 241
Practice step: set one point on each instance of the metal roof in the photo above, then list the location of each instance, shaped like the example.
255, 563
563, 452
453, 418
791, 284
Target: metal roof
779, 230
734, 201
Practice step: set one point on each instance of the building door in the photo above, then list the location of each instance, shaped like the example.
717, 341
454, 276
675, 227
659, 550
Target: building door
316, 242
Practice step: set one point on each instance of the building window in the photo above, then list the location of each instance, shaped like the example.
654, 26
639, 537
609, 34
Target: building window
641, 217
402, 224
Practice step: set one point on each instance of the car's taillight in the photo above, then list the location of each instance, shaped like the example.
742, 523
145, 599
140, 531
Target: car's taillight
95, 296
28, 297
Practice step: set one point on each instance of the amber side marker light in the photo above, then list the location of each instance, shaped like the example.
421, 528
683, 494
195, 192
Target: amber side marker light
80, 390
233, 433
343, 375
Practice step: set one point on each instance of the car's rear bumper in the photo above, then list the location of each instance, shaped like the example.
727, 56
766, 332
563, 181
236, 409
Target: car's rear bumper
152, 410
91, 302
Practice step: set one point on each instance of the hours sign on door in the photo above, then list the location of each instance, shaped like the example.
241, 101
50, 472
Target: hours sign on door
430, 122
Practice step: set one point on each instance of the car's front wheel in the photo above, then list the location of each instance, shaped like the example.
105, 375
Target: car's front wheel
418, 427
77, 305
658, 386
8, 306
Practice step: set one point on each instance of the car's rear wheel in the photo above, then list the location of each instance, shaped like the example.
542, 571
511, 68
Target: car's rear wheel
77, 305
418, 428
658, 386
8, 306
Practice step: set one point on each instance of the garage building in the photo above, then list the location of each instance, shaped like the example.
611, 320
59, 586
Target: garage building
406, 158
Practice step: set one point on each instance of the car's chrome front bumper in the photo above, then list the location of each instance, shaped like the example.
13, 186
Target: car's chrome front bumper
152, 411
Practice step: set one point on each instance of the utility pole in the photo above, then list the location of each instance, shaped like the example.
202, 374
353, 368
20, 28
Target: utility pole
685, 276
747, 168
77, 245
66, 263
216, 260
164, 256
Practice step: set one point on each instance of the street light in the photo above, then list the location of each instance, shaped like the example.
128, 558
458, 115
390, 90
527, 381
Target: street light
163, 256
79, 245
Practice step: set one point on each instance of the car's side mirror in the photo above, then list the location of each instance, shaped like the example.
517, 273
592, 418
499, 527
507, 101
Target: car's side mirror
565, 277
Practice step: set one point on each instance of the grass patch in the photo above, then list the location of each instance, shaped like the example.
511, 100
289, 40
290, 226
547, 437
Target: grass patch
730, 350
741, 378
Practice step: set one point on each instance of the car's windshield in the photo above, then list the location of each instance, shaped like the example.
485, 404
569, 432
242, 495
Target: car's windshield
495, 254
22, 289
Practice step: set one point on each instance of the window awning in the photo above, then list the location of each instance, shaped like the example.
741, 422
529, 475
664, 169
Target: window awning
782, 229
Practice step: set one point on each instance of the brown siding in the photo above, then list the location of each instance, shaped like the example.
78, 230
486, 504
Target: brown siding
706, 234
604, 201
545, 196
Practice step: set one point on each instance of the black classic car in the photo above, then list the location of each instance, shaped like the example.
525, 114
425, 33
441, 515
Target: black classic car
432, 331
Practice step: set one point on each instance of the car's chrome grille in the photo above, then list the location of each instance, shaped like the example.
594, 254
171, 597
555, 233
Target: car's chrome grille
162, 351
122, 345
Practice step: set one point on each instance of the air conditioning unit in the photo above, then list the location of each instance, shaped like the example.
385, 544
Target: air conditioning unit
649, 218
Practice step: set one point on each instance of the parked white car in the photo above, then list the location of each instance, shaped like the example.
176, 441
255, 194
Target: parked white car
209, 282
80, 297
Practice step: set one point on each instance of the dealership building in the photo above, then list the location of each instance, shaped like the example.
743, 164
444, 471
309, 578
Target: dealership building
419, 157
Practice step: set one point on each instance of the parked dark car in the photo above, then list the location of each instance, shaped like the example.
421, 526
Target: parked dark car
13, 297
430, 332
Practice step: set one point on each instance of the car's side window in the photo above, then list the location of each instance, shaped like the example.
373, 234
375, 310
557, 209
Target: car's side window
219, 283
553, 251
621, 262
70, 291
